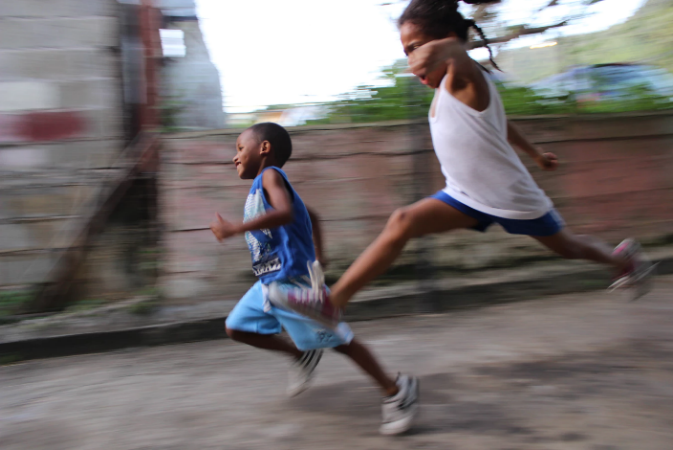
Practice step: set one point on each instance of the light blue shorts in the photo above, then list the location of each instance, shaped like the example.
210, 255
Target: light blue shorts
253, 314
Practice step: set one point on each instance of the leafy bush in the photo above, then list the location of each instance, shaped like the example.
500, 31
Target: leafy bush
403, 97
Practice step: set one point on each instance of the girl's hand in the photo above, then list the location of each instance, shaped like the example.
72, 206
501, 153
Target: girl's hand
547, 161
430, 61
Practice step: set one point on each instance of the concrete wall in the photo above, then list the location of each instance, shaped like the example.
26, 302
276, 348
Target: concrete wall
60, 124
615, 181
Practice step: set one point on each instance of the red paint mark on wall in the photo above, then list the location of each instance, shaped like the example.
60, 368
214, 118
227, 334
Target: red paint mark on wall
41, 126
49, 126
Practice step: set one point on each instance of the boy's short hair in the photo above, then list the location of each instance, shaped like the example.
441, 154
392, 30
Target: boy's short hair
278, 137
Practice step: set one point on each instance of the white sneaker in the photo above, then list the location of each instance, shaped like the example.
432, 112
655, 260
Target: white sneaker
301, 372
400, 410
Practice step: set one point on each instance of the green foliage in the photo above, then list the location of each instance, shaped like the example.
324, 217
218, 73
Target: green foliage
170, 106
401, 97
634, 98
85, 305
523, 101
145, 307
405, 98
11, 302
9, 358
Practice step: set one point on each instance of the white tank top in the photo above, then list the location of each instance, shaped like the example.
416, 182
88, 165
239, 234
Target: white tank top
482, 169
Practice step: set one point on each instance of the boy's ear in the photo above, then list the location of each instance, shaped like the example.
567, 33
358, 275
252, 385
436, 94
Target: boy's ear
265, 148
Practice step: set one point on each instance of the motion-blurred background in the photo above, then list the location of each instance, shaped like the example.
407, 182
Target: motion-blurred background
118, 121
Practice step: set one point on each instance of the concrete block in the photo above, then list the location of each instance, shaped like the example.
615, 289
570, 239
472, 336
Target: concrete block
91, 123
5, 211
175, 287
24, 158
23, 8
19, 33
8, 66
84, 154
56, 64
8, 129
9, 9
93, 93
108, 93
63, 32
102, 31
58, 8
93, 63
42, 64
60, 32
56, 200
97, 7
26, 269
14, 236
28, 95
72, 8
42, 8
107, 153
73, 155
77, 94
109, 123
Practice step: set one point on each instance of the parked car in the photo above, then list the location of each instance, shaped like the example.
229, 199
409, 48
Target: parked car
601, 82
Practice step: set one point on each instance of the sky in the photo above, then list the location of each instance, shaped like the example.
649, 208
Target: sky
296, 51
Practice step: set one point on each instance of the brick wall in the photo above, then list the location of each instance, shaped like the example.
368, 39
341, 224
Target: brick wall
615, 180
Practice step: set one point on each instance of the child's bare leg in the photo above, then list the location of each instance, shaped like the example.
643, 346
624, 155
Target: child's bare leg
271, 342
424, 217
572, 246
368, 363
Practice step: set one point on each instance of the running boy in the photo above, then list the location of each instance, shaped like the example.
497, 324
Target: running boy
486, 182
279, 230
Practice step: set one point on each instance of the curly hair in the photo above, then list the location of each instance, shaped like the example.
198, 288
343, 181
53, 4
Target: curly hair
438, 18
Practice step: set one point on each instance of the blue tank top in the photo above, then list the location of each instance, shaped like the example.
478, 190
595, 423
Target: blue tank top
278, 253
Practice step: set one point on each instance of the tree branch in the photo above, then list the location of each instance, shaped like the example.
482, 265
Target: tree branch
521, 31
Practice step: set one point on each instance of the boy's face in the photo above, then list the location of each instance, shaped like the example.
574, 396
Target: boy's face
248, 159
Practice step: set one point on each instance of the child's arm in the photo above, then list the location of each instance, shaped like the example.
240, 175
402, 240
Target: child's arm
546, 161
281, 214
317, 237
425, 59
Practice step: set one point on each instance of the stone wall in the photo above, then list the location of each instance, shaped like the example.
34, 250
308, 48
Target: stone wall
614, 181
61, 124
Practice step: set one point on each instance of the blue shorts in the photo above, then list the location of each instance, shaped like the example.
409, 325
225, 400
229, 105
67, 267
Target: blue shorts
255, 315
547, 225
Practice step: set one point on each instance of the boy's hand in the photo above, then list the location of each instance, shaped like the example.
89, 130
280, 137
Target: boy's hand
547, 161
324, 262
222, 229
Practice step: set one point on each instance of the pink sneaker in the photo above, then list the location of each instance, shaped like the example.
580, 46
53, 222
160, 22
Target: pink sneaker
639, 273
311, 301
